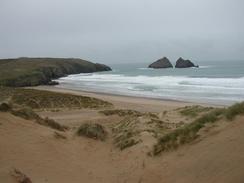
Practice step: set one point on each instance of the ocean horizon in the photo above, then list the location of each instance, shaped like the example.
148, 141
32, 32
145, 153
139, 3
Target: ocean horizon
215, 82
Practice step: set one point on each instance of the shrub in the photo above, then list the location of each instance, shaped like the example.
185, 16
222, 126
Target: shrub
90, 130
4, 107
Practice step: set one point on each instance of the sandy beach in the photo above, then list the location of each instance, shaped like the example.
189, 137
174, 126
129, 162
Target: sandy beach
131, 102
121, 91
42, 155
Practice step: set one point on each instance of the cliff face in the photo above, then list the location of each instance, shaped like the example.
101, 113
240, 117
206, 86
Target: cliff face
40, 71
181, 63
161, 63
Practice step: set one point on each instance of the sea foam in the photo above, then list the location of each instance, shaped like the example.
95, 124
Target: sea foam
203, 89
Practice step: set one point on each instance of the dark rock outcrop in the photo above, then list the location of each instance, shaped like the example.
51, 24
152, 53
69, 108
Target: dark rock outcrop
181, 63
161, 63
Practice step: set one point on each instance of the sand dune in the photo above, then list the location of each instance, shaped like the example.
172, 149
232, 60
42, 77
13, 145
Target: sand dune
35, 150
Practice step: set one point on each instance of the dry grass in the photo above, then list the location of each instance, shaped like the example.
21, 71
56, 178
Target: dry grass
28, 114
37, 99
92, 130
20, 177
194, 111
187, 133
53, 124
125, 133
4, 107
131, 130
127, 112
234, 110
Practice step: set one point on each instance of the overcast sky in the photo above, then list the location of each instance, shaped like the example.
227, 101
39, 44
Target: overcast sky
123, 30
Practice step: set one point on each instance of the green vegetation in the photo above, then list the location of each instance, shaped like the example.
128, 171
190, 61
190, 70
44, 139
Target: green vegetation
126, 112
4, 107
37, 71
37, 99
194, 110
186, 133
234, 110
92, 130
121, 112
53, 124
26, 113
29, 114
189, 132
125, 133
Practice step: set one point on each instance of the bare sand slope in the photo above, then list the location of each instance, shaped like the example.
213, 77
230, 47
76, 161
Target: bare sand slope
33, 149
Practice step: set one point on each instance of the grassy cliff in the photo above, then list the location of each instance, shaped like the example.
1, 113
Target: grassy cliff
37, 71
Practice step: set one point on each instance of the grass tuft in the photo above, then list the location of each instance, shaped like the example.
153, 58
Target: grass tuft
29, 114
127, 112
90, 130
234, 110
4, 107
194, 110
125, 133
37, 99
53, 124
121, 112
186, 133
26, 113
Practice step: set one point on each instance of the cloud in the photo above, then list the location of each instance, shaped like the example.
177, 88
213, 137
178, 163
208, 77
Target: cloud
122, 30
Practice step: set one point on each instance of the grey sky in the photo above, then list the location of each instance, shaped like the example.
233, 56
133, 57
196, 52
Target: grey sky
123, 30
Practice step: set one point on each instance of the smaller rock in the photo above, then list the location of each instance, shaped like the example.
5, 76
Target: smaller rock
181, 63
161, 63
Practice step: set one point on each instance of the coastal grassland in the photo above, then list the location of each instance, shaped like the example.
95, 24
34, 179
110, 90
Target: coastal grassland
193, 111
37, 99
189, 132
127, 112
36, 71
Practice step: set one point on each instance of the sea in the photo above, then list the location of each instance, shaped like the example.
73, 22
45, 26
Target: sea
214, 82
